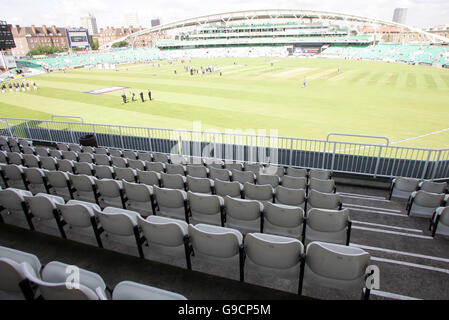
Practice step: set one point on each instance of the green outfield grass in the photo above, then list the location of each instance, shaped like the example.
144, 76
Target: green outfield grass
371, 98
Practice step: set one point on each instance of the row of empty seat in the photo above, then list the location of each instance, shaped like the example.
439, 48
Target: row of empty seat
22, 272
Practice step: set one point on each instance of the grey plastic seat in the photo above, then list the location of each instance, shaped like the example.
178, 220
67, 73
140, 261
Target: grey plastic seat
328, 226
145, 156
86, 157
60, 184
111, 193
243, 176
24, 143
88, 149
65, 165
262, 193
126, 174
43, 206
178, 159
166, 236
433, 187
13, 200
42, 151
273, 255
14, 144
197, 171
128, 290
225, 188
70, 155
403, 187
220, 174
244, 215
84, 168
233, 166
326, 186
62, 146
104, 172
200, 185
136, 164
80, 215
100, 150
119, 162
130, 154
322, 200
36, 180
423, 204
3, 157
55, 153
255, 168
274, 170
320, 174
283, 220
10, 269
213, 163
272, 180
28, 150
31, 161
294, 182
54, 284
219, 245
291, 197
155, 166
48, 163
172, 203
14, 175
174, 168
150, 178
85, 188
102, 159
160, 157
173, 181
297, 172
75, 147
4, 144
206, 208
140, 198
115, 152
335, 266
15, 158
440, 222
122, 225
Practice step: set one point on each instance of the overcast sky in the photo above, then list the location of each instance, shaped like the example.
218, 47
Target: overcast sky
421, 13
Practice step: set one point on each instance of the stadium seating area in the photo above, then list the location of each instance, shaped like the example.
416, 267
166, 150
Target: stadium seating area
281, 221
393, 52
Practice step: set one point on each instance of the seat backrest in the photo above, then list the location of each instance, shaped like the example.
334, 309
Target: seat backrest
62, 146
160, 157
127, 290
82, 182
109, 188
129, 154
258, 192
215, 241
149, 177
243, 209
274, 170
272, 251
243, 176
444, 217
136, 164
173, 168
320, 174
115, 152
127, 174
170, 198
226, 188
12, 199
104, 172
48, 163
292, 197
13, 171
406, 184
10, 267
88, 149
119, 162
99, 150
118, 221
34, 175
41, 151
75, 147
324, 200
28, 150
15, 158
234, 166
327, 220
434, 187
294, 182
163, 231
197, 171
31, 161
201, 185
272, 180
84, 168
326, 186
57, 179
172, 181
155, 166
70, 155
78, 213
204, 203
221, 174
102, 159
65, 165
283, 215
137, 192
55, 153
255, 168
297, 172
145, 156
85, 157
42, 205
428, 199
21, 256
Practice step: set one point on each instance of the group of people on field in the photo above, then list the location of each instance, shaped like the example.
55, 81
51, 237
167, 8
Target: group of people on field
17, 86
132, 96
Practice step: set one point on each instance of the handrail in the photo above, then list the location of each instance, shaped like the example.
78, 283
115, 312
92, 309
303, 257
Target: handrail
60, 116
357, 135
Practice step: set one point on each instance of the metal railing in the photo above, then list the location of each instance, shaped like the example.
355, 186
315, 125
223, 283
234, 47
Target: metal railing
374, 160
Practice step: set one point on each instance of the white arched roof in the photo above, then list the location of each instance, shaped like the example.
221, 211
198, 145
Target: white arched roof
274, 14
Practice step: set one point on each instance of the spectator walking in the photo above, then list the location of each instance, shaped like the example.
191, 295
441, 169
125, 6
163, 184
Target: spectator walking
141, 96
149, 94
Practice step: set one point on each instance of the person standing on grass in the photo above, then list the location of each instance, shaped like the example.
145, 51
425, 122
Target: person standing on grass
149, 94
10, 87
28, 86
3, 88
132, 96
141, 96
124, 96
304, 84
34, 86
23, 87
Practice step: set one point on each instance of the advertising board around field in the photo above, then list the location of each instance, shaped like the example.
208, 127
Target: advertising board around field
105, 90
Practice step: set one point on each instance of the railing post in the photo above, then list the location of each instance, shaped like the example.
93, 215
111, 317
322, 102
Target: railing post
426, 165
333, 157
290, 161
49, 131
324, 155
71, 132
378, 162
180, 144
121, 137
9, 129
28, 130
436, 165
149, 139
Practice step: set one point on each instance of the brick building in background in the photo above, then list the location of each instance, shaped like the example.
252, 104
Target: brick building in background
110, 34
28, 38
